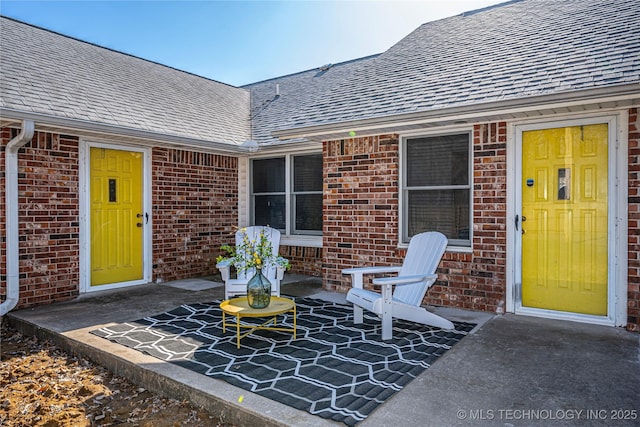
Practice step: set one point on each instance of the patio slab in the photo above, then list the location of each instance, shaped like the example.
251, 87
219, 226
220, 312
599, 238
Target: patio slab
512, 370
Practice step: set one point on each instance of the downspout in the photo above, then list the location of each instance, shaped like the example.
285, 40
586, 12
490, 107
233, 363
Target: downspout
11, 206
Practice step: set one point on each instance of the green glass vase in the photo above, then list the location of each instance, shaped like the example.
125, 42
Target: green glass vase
259, 290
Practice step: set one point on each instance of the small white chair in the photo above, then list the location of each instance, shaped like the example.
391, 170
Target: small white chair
415, 276
274, 273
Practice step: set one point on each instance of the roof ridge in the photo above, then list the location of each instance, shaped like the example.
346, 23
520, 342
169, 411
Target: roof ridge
116, 51
312, 69
484, 9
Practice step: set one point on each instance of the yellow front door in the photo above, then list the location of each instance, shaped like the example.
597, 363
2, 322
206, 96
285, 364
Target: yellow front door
564, 219
116, 216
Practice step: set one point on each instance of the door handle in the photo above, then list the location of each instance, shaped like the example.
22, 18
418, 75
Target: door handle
516, 221
146, 217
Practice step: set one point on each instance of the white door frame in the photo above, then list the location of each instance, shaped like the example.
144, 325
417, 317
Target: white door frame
84, 176
617, 217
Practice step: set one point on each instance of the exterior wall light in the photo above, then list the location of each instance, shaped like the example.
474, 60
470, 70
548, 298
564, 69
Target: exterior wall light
251, 145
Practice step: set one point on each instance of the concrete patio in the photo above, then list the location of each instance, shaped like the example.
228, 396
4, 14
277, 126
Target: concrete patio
511, 370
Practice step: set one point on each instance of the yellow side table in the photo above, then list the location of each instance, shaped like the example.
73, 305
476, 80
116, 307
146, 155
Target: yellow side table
239, 307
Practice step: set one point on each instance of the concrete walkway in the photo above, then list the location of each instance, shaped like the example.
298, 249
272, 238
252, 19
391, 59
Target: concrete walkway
512, 370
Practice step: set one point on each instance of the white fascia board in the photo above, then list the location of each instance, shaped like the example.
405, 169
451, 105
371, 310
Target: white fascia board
627, 92
288, 148
44, 120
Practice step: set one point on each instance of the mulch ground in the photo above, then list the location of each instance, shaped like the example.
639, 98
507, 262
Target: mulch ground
40, 385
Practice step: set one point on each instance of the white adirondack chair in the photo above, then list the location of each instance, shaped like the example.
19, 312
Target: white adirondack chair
274, 273
415, 276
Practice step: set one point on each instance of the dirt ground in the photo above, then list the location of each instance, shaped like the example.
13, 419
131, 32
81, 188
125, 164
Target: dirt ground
42, 386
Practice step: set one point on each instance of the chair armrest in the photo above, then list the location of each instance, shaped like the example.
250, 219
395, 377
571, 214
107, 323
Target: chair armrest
281, 264
373, 270
225, 269
224, 263
388, 282
403, 280
357, 273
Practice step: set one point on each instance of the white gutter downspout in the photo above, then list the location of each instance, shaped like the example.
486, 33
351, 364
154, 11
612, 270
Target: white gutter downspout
11, 205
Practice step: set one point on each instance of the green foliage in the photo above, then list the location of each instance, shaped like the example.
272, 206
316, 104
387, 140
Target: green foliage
252, 253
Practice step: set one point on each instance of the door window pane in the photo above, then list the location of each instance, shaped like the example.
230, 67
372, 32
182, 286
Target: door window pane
564, 184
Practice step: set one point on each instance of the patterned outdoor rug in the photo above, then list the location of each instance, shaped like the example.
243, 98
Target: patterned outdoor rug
334, 369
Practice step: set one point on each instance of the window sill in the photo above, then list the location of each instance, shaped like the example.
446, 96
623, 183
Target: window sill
295, 240
461, 249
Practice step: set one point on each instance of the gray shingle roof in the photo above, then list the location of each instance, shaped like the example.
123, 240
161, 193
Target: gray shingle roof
511, 51
514, 50
44, 72
269, 109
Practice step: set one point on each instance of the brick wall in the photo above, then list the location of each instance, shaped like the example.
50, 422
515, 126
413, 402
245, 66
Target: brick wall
361, 215
48, 218
303, 260
486, 275
195, 205
633, 296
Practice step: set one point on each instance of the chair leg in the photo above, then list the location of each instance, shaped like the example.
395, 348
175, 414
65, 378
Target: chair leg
387, 327
387, 313
357, 314
356, 281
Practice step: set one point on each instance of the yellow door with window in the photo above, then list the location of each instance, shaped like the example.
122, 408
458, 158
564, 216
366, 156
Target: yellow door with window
564, 219
116, 216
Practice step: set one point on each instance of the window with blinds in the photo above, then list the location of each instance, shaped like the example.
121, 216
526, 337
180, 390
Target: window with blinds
268, 192
437, 187
272, 196
307, 194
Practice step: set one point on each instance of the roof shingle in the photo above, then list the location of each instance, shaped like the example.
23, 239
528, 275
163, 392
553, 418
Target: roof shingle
514, 50
511, 51
47, 73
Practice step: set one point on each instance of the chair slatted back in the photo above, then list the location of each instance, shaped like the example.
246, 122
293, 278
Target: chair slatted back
423, 256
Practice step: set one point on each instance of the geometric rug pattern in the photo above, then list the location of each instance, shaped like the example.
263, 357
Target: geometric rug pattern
333, 369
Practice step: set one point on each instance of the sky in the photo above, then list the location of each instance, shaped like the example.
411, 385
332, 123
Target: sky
239, 42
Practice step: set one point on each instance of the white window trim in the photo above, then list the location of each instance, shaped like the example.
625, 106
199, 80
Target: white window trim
245, 207
401, 181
